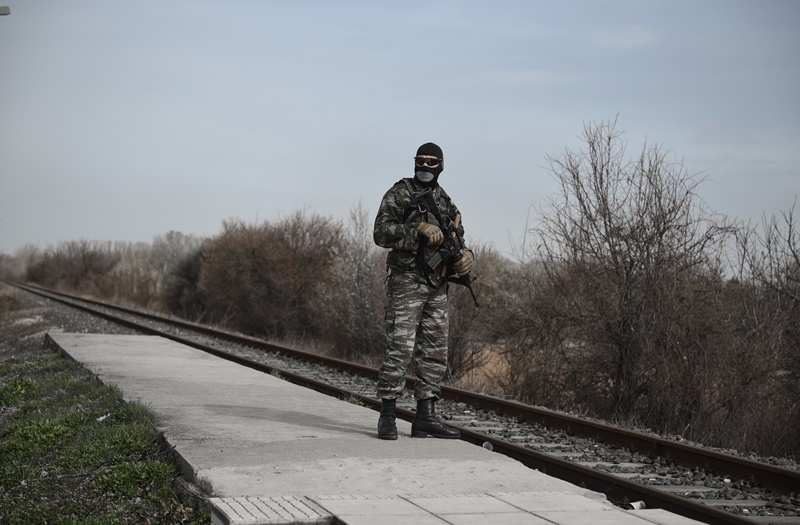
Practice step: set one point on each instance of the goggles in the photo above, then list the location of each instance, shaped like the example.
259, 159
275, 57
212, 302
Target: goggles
423, 161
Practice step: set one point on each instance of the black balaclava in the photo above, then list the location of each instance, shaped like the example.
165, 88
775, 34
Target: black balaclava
425, 172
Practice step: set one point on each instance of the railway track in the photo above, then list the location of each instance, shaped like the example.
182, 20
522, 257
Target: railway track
627, 466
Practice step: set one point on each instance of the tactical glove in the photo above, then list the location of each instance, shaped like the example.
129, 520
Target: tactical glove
464, 265
432, 232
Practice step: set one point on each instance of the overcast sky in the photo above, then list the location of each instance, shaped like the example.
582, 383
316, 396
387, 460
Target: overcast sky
125, 120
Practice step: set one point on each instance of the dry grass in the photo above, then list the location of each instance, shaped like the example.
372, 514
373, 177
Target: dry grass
488, 378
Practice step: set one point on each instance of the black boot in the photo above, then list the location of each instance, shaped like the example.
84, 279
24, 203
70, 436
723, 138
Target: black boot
427, 424
387, 429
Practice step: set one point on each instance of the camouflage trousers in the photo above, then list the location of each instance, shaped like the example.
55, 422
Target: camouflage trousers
416, 333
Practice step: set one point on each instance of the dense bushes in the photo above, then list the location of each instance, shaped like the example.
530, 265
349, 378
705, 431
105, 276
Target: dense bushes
261, 279
304, 278
627, 308
75, 264
182, 295
130, 273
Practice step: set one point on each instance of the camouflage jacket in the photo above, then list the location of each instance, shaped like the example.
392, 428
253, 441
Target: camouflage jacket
397, 222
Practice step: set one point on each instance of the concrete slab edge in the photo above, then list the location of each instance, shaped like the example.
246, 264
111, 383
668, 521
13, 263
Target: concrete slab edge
310, 510
254, 510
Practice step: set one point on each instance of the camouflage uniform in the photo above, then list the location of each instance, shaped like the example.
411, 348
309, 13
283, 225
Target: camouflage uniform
416, 313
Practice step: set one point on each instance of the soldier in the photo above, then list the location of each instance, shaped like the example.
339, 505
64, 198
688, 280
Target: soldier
416, 313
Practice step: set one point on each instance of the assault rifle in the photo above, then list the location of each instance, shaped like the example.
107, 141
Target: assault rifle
449, 251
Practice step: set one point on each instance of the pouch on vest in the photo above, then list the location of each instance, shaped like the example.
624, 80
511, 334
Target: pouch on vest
401, 260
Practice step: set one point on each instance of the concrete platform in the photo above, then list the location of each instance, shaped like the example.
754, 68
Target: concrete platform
272, 452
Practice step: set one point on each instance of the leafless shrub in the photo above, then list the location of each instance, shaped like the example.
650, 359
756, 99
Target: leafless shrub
76, 265
181, 294
542, 363
168, 251
766, 291
617, 310
135, 281
350, 304
8, 302
625, 307
15, 266
123, 272
261, 279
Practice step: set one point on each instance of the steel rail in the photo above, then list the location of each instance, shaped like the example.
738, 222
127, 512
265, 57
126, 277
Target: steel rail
763, 474
211, 331
615, 488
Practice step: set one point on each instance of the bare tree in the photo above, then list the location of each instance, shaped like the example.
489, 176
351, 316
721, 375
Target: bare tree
628, 257
77, 265
767, 293
351, 304
168, 251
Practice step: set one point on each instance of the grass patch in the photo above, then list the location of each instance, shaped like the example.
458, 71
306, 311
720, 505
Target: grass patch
73, 451
354, 400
